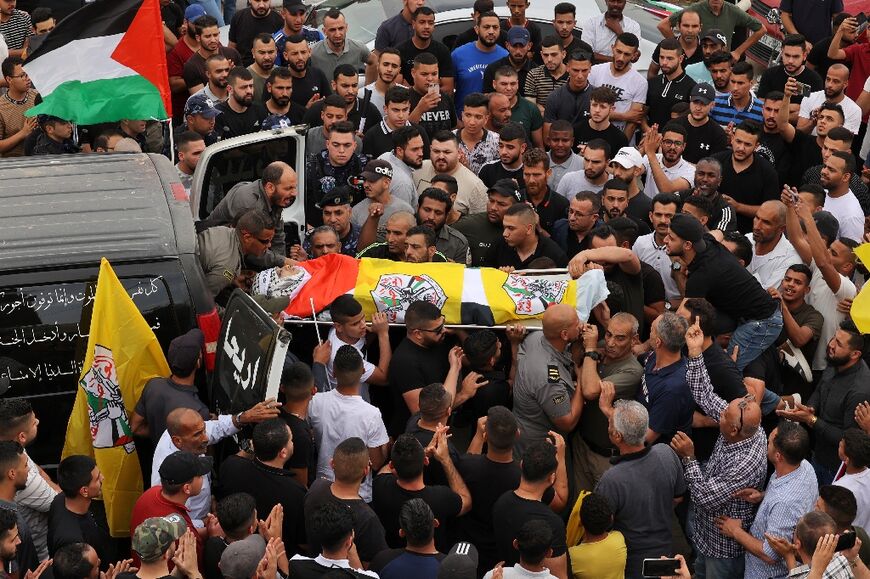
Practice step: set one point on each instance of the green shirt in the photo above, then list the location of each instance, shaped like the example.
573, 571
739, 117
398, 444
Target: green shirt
528, 115
730, 18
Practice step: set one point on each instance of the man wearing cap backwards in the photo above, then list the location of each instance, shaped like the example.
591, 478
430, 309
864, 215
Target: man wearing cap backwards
708, 270
294, 13
154, 541
272, 193
371, 214
704, 137
484, 229
712, 41
723, 16
333, 524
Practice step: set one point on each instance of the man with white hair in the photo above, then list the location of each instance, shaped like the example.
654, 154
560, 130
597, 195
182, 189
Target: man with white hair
642, 484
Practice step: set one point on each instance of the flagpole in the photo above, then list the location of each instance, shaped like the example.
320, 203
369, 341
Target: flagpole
292, 322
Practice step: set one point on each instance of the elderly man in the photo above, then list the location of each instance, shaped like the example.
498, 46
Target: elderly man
272, 193
187, 431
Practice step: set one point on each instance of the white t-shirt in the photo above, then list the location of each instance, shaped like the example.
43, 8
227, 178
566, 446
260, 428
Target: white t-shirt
335, 418
825, 301
848, 212
630, 87
646, 250
377, 99
601, 38
859, 484
769, 269
574, 182
851, 110
683, 169
368, 367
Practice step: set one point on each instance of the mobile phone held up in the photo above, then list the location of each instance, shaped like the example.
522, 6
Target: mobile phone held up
660, 567
862, 23
845, 542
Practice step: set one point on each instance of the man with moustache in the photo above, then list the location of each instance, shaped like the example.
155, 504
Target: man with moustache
690, 29
264, 52
704, 137
389, 66
240, 115
834, 92
247, 24
471, 59
484, 229
596, 156
445, 159
280, 105
433, 206
217, 69
708, 177
405, 157
309, 83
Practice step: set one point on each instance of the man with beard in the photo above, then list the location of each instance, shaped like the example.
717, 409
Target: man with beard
794, 65
470, 59
509, 165
614, 203
570, 102
294, 13
834, 92
651, 249
719, 66
389, 66
689, 27
549, 205
748, 179
337, 49
208, 38
518, 19
712, 43
405, 157
772, 146
522, 111
521, 243
666, 172
371, 214
672, 86
179, 55
432, 208
423, 23
740, 104
596, 156
840, 201
628, 84
542, 80
830, 411
704, 137
772, 253
378, 139
572, 234
445, 159
272, 193
248, 24
332, 167
722, 16
563, 159
483, 229
399, 226
839, 139
479, 145
10, 542
264, 52
708, 178
321, 241
499, 111
564, 23
280, 105
519, 58
217, 69
309, 83
602, 31
332, 110
240, 115
627, 166
345, 84
431, 107
335, 208
13, 465
420, 245
597, 125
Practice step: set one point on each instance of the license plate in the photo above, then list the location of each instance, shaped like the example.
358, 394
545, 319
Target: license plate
771, 42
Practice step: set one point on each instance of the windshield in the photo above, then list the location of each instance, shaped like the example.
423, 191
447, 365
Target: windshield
363, 16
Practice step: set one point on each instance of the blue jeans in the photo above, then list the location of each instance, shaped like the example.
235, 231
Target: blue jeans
823, 473
711, 568
229, 10
755, 336
212, 8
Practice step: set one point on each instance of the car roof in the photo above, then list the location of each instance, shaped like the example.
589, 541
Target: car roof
73, 209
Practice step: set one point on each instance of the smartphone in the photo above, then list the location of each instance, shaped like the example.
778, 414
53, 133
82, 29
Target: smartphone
661, 567
861, 18
804, 90
291, 234
845, 542
434, 89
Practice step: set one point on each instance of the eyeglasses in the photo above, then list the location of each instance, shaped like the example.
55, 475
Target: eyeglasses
672, 143
22, 75
742, 406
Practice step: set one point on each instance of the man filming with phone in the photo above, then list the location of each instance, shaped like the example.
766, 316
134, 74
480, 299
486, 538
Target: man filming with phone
794, 66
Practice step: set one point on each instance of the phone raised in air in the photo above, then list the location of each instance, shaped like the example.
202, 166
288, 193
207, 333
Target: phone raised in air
845, 542
861, 18
660, 567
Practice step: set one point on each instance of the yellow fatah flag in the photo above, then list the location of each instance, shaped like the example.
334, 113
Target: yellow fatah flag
123, 354
861, 304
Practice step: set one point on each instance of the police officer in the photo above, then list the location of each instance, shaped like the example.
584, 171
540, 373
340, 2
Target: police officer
199, 116
546, 397
222, 251
271, 194
336, 213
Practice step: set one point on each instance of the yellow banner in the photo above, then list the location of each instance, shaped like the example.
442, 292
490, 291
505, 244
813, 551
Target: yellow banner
861, 304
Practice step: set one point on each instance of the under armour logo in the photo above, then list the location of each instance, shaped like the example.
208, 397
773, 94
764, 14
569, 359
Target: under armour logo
704, 147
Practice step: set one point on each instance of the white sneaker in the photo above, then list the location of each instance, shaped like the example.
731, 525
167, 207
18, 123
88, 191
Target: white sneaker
795, 359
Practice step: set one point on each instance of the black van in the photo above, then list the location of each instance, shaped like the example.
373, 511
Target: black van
58, 216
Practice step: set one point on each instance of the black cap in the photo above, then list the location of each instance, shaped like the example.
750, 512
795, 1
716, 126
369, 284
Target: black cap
181, 467
827, 224
508, 187
341, 195
184, 351
294, 6
687, 227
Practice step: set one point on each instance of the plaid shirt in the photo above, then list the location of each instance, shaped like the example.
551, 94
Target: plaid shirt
838, 568
732, 466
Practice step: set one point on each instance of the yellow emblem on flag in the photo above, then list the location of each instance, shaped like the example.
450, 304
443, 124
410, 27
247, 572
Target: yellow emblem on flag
122, 355
861, 304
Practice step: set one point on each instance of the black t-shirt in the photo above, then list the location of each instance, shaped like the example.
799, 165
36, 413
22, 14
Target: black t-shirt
653, 286
65, 527
493, 67
481, 233
433, 474
638, 209
388, 498
773, 147
583, 133
443, 116
631, 298
368, 532
230, 124
172, 15
805, 153
697, 56
510, 512
818, 57
775, 78
304, 446
413, 367
501, 254
663, 94
314, 82
753, 186
703, 141
532, 27
212, 550
373, 117
551, 209
245, 27
495, 170
727, 384
378, 140
408, 52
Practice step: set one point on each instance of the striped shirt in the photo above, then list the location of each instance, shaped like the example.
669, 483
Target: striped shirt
725, 112
539, 84
16, 29
312, 35
34, 500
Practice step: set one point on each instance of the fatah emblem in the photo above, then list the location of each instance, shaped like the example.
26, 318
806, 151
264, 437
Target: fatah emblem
106, 413
394, 292
532, 295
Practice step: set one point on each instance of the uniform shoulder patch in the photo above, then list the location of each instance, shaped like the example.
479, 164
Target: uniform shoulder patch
560, 399
553, 375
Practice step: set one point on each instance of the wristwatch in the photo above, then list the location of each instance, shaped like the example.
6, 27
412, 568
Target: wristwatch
594, 354
676, 266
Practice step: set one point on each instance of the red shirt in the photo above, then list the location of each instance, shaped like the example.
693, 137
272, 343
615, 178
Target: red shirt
153, 504
858, 57
175, 60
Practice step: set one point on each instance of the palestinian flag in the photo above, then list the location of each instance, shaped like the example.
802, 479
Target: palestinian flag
103, 63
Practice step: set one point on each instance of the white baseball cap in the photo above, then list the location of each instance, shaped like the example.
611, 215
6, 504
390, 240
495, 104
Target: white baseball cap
628, 157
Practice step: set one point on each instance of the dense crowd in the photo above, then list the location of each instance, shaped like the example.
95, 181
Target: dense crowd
715, 409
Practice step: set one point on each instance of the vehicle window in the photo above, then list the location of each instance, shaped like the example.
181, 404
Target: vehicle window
44, 333
363, 17
244, 163
448, 31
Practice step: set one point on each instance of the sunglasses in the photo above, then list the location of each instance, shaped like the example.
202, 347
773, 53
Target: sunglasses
437, 330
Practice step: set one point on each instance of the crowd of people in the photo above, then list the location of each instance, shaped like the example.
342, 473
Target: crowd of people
715, 409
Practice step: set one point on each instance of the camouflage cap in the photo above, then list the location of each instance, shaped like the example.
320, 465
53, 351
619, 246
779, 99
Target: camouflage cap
153, 536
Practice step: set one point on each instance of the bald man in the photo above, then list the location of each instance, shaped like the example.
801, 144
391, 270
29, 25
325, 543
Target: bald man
521, 243
836, 80
546, 397
772, 253
186, 430
738, 464
396, 230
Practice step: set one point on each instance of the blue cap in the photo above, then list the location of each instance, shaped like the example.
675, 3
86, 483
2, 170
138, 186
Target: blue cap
200, 104
193, 12
276, 122
518, 35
